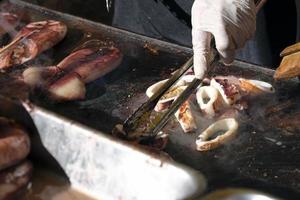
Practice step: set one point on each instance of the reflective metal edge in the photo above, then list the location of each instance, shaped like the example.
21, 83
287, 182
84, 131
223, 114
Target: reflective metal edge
106, 168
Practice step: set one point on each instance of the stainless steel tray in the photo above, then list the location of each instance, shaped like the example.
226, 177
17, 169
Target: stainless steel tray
98, 165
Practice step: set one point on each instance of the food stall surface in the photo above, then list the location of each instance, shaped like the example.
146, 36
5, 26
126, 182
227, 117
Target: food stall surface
263, 156
47, 185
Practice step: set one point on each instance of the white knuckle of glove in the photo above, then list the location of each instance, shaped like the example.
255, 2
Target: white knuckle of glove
231, 22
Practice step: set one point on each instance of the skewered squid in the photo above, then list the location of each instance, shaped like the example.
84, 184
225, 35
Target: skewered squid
31, 40
67, 80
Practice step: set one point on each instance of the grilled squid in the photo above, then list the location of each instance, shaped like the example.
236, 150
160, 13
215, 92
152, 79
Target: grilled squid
229, 126
14, 143
42, 76
209, 99
14, 181
255, 87
185, 117
31, 40
229, 91
168, 98
67, 80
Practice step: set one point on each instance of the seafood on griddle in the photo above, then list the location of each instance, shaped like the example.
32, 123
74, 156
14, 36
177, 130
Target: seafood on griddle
186, 117
228, 128
255, 87
167, 99
30, 41
229, 91
210, 100
222, 99
66, 81
15, 174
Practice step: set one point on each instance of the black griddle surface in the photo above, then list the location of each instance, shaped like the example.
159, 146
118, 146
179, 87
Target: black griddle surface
263, 156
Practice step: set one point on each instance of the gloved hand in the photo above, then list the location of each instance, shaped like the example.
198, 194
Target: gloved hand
231, 22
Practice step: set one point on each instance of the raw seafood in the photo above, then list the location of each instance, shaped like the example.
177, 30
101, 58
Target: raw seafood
229, 125
31, 40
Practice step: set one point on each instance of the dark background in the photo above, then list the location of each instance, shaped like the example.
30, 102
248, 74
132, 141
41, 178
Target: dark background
280, 16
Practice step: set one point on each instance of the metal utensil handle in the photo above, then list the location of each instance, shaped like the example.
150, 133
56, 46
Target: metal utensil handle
192, 86
150, 104
130, 123
183, 97
176, 105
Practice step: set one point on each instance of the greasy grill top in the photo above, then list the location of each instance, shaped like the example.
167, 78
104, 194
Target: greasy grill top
265, 154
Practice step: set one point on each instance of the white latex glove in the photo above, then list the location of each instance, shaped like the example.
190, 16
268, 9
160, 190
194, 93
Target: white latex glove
231, 22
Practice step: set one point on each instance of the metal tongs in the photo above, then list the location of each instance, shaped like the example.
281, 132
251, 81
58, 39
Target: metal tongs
143, 112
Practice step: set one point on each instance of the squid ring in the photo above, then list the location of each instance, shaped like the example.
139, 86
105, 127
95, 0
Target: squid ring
171, 94
230, 125
209, 100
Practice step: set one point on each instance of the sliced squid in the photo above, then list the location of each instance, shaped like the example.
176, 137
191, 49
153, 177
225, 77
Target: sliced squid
40, 77
185, 117
70, 87
166, 100
255, 87
170, 95
209, 100
229, 125
230, 92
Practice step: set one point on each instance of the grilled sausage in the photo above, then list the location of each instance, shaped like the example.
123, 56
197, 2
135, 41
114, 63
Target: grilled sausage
14, 143
14, 181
